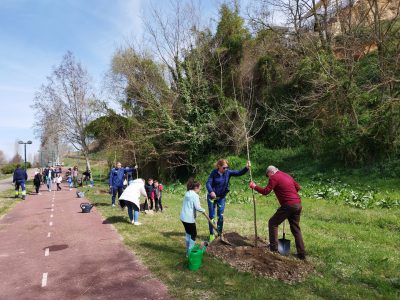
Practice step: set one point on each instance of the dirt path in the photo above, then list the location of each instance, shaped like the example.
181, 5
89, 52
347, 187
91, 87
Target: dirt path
50, 250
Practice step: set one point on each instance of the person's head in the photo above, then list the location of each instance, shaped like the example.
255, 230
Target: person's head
271, 170
193, 185
18, 166
155, 183
150, 181
119, 165
222, 165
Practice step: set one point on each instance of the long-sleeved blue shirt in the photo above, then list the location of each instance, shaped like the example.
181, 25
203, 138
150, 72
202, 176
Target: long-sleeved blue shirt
117, 176
191, 204
219, 183
19, 175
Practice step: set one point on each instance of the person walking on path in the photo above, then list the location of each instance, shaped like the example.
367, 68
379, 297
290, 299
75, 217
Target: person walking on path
75, 174
130, 198
58, 181
49, 175
218, 187
116, 181
286, 190
37, 181
19, 178
191, 204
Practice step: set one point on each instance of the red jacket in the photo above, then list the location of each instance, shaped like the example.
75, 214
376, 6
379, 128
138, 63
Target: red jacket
284, 186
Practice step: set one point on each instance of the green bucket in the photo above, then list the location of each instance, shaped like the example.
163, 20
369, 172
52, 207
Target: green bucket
196, 258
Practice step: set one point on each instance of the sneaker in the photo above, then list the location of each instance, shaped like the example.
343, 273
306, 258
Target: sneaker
137, 223
212, 237
39, 193
113, 205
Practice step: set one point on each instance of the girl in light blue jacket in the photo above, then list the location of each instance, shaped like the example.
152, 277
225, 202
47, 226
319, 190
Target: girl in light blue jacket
191, 204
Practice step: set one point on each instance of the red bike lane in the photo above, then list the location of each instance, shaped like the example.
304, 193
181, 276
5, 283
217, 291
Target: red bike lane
50, 250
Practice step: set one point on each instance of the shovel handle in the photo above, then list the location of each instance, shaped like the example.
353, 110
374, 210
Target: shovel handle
211, 222
284, 234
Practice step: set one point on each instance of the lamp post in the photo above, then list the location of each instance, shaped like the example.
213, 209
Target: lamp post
24, 143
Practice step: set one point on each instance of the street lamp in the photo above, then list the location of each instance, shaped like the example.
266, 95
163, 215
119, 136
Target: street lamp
28, 142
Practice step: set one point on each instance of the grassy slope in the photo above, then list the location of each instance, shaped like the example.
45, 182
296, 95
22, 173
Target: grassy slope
355, 251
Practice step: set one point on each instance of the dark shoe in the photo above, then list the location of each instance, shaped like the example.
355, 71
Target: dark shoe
301, 256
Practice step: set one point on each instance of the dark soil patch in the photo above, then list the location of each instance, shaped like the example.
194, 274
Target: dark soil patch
243, 256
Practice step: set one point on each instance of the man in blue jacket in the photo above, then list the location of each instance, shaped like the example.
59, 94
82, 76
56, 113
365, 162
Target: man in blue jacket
19, 179
116, 180
218, 187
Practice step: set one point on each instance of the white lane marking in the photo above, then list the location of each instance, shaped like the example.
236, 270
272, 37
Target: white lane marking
4, 255
46, 252
44, 279
51, 224
49, 234
52, 209
51, 216
52, 205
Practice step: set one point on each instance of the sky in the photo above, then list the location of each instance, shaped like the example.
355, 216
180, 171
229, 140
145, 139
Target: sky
34, 36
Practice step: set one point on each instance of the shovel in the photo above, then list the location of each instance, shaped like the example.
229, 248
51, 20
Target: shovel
216, 229
284, 244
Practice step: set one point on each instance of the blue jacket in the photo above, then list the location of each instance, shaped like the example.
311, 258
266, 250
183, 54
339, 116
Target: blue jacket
20, 175
219, 184
117, 176
191, 204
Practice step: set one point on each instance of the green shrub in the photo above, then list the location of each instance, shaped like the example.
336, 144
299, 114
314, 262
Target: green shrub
10, 168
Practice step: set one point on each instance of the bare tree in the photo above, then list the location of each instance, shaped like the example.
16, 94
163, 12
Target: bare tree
3, 160
66, 104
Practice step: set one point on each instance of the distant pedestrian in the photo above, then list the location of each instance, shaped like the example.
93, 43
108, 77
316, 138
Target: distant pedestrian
58, 181
286, 190
75, 174
19, 179
49, 175
130, 198
37, 181
191, 204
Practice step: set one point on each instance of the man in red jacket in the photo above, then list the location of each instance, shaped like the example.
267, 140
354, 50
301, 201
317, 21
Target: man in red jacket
286, 190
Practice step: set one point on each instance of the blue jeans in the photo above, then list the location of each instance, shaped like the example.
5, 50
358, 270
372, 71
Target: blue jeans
115, 190
218, 203
49, 182
133, 211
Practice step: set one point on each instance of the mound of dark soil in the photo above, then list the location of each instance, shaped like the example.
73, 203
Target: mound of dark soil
243, 256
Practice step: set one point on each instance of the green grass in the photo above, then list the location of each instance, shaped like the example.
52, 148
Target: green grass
355, 252
7, 201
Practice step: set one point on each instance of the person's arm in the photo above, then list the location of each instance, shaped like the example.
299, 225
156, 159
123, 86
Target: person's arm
264, 191
296, 185
110, 179
238, 173
14, 177
197, 205
143, 191
26, 175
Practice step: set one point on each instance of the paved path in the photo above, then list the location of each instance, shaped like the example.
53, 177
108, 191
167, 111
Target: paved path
50, 250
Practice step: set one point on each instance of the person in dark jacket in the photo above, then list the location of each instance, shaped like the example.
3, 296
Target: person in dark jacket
218, 187
19, 178
150, 194
37, 180
286, 190
116, 181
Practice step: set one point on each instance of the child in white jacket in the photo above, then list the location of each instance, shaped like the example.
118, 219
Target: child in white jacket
191, 204
130, 198
58, 180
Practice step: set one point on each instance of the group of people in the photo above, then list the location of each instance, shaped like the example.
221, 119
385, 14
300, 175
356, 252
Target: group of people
285, 188
123, 185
